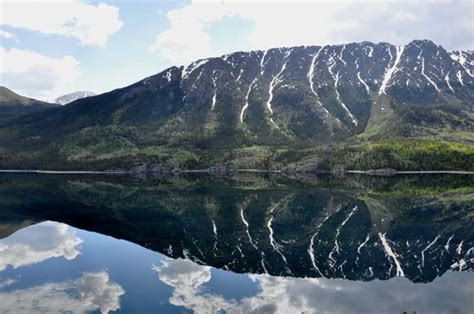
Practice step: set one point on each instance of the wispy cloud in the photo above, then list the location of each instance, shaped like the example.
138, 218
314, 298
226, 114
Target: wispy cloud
7, 35
92, 292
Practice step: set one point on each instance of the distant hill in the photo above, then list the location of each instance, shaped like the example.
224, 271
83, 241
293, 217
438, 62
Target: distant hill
352, 106
11, 102
68, 98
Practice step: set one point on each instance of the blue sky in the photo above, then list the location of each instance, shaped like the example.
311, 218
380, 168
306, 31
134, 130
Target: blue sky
56, 47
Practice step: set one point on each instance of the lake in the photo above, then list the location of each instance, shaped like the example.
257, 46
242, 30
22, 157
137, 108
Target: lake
236, 244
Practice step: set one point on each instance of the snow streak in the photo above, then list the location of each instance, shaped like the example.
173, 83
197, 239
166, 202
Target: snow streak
371, 51
247, 229
311, 246
363, 83
338, 231
336, 78
390, 71
389, 252
276, 79
214, 229
246, 100
310, 79
423, 253
262, 62
214, 97
446, 78
422, 59
363, 243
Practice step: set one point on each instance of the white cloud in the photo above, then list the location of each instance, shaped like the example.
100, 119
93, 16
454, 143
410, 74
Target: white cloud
91, 292
7, 282
7, 35
276, 24
314, 295
34, 75
97, 291
187, 279
91, 24
37, 243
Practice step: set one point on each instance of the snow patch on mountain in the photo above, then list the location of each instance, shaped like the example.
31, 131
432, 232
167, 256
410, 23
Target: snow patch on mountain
68, 98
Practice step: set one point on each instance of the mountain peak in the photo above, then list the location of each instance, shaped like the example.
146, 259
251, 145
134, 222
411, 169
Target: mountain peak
68, 98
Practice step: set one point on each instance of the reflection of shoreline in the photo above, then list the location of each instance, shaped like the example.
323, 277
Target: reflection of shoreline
213, 171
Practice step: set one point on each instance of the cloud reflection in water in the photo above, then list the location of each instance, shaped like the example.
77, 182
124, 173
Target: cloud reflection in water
314, 295
38, 243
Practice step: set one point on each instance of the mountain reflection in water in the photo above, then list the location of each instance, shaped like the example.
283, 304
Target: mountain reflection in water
272, 228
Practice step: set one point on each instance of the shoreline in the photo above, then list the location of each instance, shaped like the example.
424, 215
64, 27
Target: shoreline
368, 172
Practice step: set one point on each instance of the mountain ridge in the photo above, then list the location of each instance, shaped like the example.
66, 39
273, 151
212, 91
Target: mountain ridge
13, 105
12, 99
246, 104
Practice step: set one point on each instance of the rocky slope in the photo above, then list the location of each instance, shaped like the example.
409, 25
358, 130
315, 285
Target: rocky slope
241, 105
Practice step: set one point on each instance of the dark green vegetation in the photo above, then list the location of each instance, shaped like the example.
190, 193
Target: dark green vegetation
299, 109
13, 105
12, 102
300, 226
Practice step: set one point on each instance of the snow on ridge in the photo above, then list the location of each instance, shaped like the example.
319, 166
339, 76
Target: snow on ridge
459, 57
69, 98
262, 64
192, 67
169, 74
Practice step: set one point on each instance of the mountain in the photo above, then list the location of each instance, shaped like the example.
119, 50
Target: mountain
12, 102
68, 98
353, 106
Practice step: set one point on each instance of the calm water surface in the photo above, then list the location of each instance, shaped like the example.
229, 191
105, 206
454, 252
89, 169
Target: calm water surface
243, 244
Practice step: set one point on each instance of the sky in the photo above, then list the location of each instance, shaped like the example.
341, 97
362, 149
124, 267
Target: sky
50, 48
